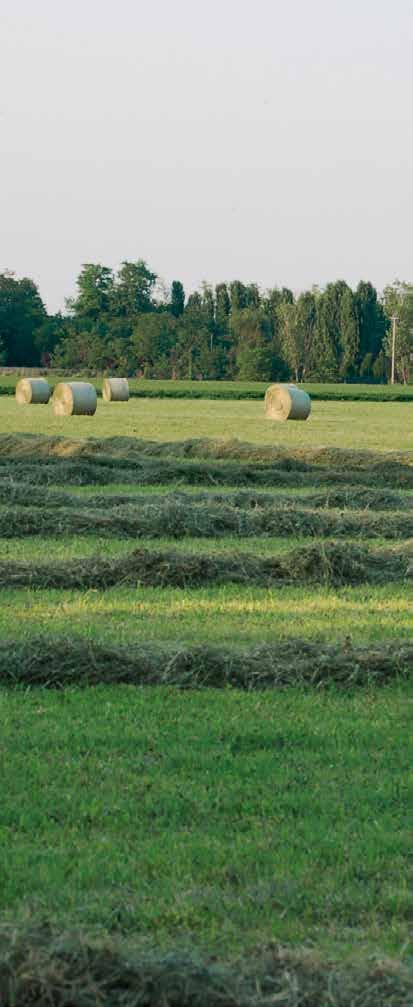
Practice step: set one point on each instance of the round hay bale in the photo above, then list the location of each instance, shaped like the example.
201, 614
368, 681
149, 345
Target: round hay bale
32, 392
115, 390
74, 398
287, 402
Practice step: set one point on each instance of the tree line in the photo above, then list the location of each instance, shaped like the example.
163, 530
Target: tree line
126, 321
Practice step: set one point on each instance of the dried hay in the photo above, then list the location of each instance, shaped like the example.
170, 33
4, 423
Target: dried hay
226, 461
147, 471
130, 448
60, 661
24, 494
32, 391
115, 390
74, 398
286, 402
331, 563
179, 517
39, 966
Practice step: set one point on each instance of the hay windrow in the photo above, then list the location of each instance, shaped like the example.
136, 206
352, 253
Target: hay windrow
27, 495
102, 471
61, 661
40, 967
332, 563
183, 519
128, 448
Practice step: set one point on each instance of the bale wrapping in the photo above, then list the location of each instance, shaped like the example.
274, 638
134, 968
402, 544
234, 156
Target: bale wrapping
74, 398
115, 390
287, 402
32, 391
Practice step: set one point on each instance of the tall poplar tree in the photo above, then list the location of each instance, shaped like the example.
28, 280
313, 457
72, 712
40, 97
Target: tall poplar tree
253, 335
349, 335
324, 355
239, 296
371, 319
297, 325
222, 309
177, 299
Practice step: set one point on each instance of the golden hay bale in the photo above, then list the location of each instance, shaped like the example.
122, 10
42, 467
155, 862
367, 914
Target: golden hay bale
115, 390
32, 391
287, 402
74, 398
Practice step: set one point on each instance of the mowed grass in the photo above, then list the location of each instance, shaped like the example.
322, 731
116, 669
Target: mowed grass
223, 614
212, 819
373, 425
230, 389
217, 819
218, 615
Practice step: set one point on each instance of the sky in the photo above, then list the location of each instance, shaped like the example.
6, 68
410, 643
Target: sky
266, 141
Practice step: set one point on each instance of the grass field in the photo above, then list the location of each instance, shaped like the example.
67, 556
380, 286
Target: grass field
348, 425
255, 795
235, 390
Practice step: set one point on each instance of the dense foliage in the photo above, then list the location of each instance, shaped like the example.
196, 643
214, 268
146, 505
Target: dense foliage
125, 321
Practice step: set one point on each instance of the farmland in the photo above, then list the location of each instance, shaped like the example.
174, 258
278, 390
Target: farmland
205, 670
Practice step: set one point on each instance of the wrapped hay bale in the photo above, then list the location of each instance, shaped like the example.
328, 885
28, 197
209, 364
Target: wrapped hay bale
32, 392
74, 398
115, 390
287, 402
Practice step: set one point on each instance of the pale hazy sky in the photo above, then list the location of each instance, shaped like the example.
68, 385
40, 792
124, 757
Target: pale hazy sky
266, 141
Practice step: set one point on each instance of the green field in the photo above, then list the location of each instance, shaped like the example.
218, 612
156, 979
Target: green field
358, 425
233, 390
256, 794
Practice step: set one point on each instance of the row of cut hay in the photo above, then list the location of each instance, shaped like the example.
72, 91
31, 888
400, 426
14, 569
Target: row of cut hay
62, 661
27, 495
212, 448
42, 967
384, 470
103, 471
183, 519
130, 449
330, 563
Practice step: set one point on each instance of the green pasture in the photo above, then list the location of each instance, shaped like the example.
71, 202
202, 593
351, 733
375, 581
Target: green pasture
215, 819
358, 425
231, 390
218, 820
